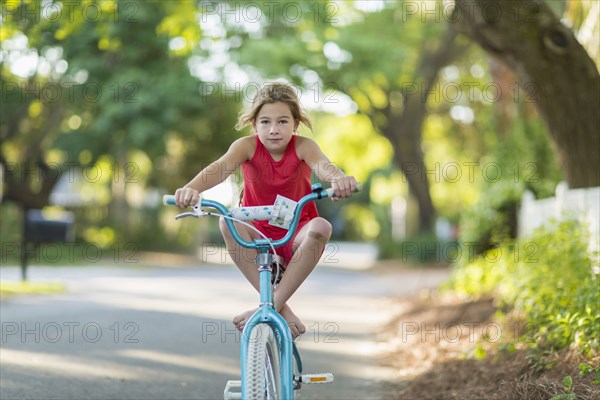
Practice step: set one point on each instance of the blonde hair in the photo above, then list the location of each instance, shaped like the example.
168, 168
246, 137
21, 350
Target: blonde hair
274, 93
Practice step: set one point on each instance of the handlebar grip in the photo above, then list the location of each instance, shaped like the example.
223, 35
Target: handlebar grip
357, 188
169, 200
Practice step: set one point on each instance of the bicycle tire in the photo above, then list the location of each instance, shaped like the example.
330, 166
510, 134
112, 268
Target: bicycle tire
263, 368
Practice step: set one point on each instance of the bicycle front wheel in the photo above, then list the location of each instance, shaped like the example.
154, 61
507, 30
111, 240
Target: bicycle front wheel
263, 370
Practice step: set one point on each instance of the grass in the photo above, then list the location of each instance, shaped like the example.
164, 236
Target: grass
11, 289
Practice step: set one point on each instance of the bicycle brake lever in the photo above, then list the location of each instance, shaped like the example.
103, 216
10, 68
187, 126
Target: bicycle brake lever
196, 213
187, 214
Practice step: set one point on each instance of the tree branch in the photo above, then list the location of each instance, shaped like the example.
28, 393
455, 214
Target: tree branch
553, 68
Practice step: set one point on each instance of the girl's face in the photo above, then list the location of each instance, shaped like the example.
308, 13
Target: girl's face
275, 127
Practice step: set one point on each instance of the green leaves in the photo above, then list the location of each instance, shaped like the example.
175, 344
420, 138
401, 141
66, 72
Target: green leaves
586, 369
123, 85
552, 284
568, 388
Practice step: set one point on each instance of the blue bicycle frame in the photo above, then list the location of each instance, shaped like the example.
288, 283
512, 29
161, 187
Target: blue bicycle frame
266, 312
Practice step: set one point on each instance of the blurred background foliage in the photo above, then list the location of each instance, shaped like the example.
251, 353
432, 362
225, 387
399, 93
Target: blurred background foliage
112, 104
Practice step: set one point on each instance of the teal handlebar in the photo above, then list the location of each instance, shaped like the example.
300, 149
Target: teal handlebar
321, 194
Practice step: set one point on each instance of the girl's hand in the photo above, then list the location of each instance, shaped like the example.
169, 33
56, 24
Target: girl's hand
187, 196
343, 187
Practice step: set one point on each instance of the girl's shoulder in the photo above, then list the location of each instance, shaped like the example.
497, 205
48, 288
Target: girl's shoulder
305, 146
244, 147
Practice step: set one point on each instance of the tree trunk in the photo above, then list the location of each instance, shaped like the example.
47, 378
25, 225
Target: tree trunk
28, 179
554, 71
29, 183
404, 128
404, 133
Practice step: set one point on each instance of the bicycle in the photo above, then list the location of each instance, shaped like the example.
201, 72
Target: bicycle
267, 347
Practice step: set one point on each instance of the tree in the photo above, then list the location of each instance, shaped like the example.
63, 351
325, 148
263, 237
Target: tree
407, 85
404, 127
118, 80
393, 91
554, 70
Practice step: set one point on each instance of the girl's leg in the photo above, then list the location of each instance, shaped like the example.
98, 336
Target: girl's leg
308, 247
242, 257
245, 261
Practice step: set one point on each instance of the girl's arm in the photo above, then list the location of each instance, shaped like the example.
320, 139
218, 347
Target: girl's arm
308, 151
240, 151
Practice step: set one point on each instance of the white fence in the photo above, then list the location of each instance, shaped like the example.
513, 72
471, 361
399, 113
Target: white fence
583, 204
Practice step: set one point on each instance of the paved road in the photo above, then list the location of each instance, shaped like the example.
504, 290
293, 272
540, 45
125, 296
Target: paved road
165, 333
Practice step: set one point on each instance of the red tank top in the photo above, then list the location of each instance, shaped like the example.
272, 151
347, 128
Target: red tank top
265, 178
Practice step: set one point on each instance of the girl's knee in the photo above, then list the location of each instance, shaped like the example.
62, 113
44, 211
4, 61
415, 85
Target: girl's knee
320, 229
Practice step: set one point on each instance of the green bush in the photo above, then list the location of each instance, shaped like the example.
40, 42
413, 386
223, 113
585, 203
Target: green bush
549, 279
526, 161
493, 218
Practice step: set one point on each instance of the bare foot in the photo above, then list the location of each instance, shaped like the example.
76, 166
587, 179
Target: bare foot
296, 326
240, 321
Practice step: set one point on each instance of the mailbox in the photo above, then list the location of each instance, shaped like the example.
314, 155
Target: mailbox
39, 228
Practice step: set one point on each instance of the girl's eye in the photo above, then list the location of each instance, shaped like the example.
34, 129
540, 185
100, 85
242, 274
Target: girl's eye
264, 122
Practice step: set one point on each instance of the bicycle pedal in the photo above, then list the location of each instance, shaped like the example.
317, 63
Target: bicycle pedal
326, 377
229, 394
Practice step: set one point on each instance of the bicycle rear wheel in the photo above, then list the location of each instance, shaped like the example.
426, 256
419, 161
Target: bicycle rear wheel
263, 370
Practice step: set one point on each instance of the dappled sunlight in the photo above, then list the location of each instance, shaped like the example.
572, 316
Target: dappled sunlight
452, 169
384, 189
355, 360
135, 173
173, 330
140, 303
66, 365
352, 143
342, 310
168, 296
214, 363
363, 220
344, 328
453, 118
331, 343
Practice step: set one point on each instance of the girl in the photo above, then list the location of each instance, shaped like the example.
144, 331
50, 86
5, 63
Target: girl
275, 160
